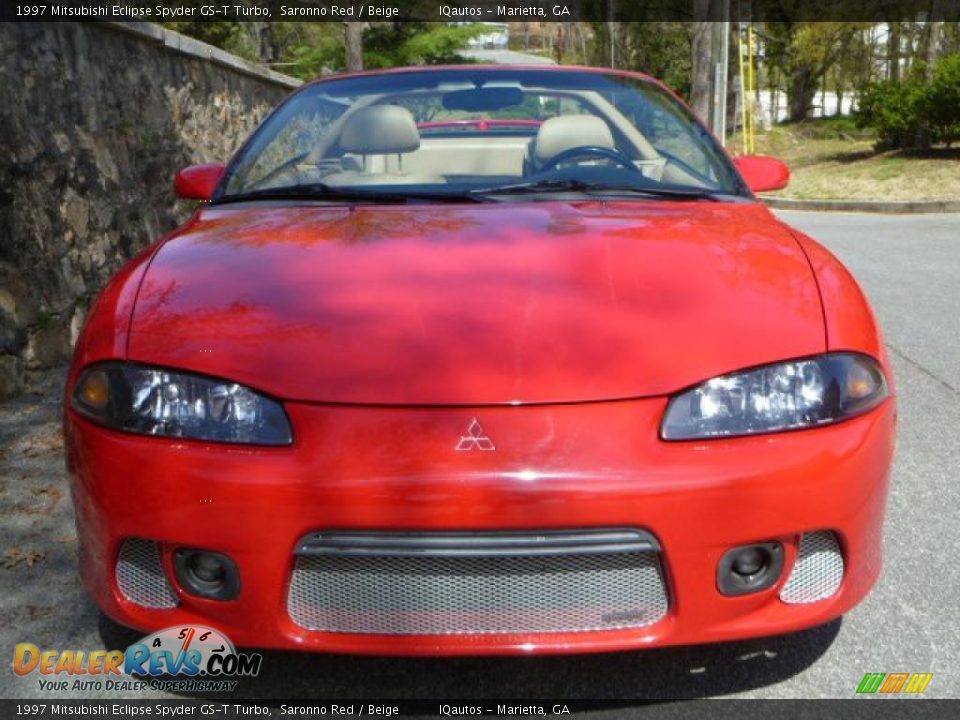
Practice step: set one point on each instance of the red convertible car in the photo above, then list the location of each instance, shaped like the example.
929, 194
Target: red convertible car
474, 359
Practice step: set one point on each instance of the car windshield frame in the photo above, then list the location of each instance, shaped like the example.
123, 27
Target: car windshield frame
343, 92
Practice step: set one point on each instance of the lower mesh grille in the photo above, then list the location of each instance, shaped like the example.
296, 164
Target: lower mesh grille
497, 592
818, 570
140, 575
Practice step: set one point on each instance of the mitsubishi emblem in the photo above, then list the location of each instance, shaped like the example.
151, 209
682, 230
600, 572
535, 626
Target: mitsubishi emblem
475, 438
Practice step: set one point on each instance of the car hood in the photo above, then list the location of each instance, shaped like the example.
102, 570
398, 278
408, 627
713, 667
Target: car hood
477, 304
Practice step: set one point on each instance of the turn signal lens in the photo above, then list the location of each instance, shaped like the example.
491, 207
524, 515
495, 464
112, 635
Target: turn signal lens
94, 389
861, 383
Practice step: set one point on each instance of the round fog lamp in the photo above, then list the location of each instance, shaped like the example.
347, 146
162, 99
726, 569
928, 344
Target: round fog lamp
749, 561
206, 567
749, 568
207, 574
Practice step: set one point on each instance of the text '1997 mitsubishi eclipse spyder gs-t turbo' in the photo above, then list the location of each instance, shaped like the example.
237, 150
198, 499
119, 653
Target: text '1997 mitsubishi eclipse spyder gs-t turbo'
470, 360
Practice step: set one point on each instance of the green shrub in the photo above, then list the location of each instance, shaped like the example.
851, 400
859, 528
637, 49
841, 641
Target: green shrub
894, 110
914, 113
943, 100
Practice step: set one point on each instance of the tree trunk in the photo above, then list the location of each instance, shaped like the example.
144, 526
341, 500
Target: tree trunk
261, 35
893, 52
270, 48
923, 139
353, 36
613, 31
774, 96
801, 90
701, 67
934, 33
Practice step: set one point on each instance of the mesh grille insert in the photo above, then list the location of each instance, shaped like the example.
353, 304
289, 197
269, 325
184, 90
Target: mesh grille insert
818, 571
140, 575
506, 593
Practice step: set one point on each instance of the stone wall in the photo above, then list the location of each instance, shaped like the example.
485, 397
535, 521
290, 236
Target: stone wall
95, 119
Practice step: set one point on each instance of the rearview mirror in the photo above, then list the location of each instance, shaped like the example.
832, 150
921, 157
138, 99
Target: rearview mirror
198, 182
483, 99
762, 172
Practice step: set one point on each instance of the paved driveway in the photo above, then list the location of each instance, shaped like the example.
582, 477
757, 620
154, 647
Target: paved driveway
910, 267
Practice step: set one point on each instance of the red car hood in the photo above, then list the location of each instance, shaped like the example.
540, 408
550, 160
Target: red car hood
475, 304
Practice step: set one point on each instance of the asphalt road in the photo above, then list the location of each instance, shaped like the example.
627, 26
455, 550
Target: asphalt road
910, 267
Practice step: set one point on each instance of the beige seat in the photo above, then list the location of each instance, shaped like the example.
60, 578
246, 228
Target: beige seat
566, 132
374, 141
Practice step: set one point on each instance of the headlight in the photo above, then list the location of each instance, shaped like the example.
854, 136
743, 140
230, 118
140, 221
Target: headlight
783, 396
173, 404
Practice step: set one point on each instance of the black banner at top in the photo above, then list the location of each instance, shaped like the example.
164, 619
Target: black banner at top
481, 11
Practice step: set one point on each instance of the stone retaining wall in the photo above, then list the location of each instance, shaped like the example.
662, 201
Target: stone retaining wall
95, 119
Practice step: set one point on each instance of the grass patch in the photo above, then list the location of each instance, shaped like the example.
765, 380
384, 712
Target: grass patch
831, 159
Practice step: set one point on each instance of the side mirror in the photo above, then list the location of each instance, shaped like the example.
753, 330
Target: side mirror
198, 182
762, 172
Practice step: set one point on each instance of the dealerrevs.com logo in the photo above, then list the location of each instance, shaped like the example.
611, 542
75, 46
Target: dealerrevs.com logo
190, 658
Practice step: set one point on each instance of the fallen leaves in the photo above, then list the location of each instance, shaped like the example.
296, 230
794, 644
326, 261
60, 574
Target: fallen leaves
17, 555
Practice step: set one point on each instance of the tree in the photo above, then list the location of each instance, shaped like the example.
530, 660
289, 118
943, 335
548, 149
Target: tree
915, 113
893, 51
353, 42
700, 62
218, 33
386, 44
934, 33
417, 43
942, 106
659, 49
855, 68
804, 52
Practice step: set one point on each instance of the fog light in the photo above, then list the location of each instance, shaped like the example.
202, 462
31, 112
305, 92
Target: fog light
750, 561
750, 568
206, 567
207, 574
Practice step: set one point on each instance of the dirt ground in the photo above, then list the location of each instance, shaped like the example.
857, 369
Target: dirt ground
37, 535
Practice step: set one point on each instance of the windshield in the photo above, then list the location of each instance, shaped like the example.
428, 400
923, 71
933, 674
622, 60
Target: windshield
462, 131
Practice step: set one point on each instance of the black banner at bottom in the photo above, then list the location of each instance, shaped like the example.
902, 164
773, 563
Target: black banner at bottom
868, 709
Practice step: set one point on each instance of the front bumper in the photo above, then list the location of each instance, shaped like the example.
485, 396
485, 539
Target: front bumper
553, 468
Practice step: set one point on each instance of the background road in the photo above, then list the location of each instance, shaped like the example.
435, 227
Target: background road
910, 268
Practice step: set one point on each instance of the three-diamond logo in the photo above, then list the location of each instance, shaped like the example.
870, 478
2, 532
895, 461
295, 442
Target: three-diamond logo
475, 438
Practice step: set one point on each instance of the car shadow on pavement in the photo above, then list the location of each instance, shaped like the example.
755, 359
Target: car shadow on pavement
658, 674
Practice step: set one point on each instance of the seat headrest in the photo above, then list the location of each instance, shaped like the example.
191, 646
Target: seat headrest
569, 131
380, 130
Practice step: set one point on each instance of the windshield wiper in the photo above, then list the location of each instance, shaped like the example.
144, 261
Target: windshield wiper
593, 188
322, 191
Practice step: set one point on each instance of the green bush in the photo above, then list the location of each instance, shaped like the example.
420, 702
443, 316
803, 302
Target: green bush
895, 111
943, 100
914, 113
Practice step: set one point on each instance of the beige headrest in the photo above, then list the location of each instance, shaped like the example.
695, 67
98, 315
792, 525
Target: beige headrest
380, 130
569, 131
